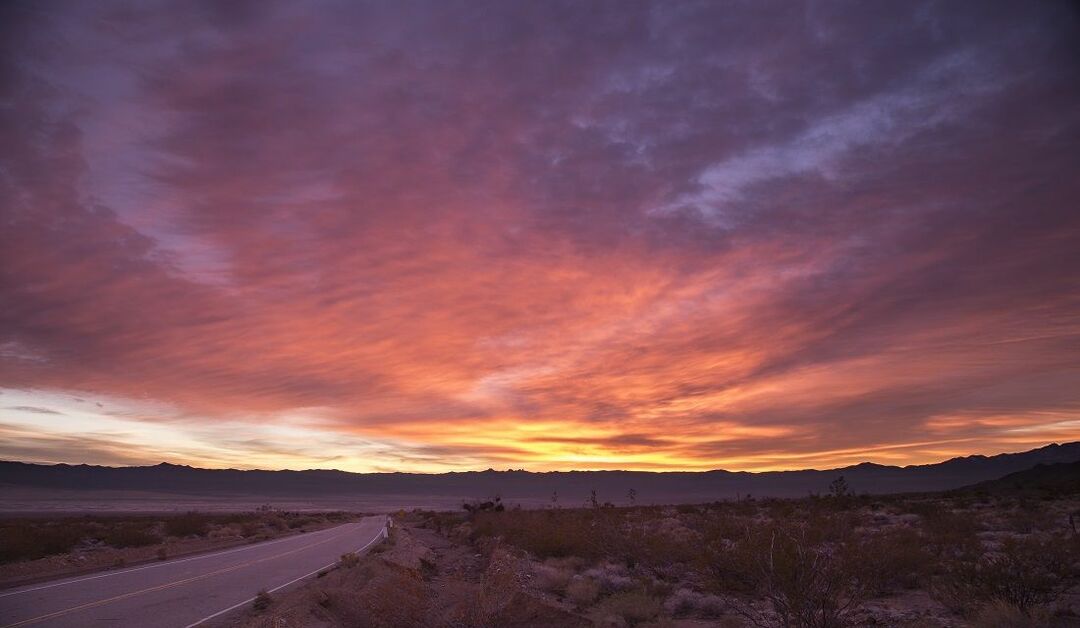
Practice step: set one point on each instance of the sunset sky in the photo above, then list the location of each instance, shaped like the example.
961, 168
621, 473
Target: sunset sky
543, 235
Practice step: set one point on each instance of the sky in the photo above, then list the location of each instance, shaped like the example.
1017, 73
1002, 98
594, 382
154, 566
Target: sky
454, 235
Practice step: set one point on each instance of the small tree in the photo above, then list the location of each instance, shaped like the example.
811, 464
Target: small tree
839, 489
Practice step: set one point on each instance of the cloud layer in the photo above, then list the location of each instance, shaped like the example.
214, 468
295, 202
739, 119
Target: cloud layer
459, 234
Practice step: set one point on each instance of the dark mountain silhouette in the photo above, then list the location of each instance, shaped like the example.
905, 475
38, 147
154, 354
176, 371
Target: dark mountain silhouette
1062, 479
572, 487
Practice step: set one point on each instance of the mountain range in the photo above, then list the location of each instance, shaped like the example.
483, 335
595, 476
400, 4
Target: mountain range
570, 487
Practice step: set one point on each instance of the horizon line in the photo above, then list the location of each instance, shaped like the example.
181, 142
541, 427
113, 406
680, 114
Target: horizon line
523, 470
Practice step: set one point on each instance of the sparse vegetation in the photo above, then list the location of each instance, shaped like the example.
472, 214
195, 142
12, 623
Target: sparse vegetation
1024, 574
814, 562
835, 561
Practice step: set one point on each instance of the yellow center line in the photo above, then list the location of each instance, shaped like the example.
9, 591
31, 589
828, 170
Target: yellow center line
160, 587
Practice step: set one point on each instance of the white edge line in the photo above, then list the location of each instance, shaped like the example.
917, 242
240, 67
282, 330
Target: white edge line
170, 562
378, 536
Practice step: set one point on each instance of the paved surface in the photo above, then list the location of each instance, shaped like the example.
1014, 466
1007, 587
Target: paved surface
187, 591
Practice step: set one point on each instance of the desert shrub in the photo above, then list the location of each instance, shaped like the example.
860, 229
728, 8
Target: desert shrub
545, 533
552, 579
582, 591
233, 517
634, 607
188, 524
725, 556
806, 584
632, 536
888, 560
390, 598
276, 523
781, 509
1003, 615
951, 534
1024, 574
478, 506
650, 541
262, 601
611, 577
573, 564
249, 529
349, 560
925, 508
688, 602
828, 524
30, 539
300, 522
1027, 520
130, 535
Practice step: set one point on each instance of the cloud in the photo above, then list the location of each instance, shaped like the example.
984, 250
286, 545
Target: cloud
33, 410
435, 234
940, 94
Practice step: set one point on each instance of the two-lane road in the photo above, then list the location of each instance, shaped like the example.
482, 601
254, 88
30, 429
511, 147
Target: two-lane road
187, 591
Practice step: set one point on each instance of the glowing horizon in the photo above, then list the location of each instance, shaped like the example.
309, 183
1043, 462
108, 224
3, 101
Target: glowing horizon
455, 237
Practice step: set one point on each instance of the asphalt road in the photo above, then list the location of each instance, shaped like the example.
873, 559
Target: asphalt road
187, 591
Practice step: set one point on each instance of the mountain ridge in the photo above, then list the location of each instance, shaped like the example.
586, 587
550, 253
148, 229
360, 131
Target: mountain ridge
569, 486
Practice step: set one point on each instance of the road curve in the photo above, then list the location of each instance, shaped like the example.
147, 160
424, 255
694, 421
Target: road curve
184, 592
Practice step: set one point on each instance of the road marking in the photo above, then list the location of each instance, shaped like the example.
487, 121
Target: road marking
378, 536
166, 586
171, 562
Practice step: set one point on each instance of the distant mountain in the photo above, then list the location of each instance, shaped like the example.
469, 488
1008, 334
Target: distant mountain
572, 487
1062, 478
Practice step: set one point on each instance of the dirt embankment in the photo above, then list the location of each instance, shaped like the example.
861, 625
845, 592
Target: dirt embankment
420, 579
